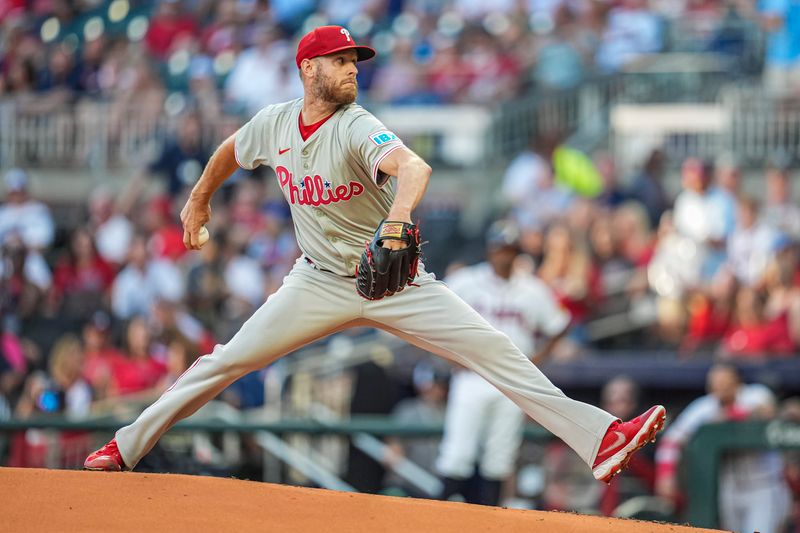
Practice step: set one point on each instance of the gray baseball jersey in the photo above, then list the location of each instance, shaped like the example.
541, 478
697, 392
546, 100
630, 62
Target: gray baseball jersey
335, 190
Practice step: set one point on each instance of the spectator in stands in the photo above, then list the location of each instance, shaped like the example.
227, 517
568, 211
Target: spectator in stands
112, 230
61, 391
426, 408
632, 29
529, 187
674, 269
94, 77
180, 354
725, 192
102, 357
613, 194
58, 83
170, 23
244, 279
697, 216
12, 15
750, 245
559, 60
71, 394
531, 244
525, 173
448, 73
591, 22
780, 211
635, 246
19, 84
205, 285
400, 79
612, 268
166, 233
182, 158
137, 104
170, 320
143, 280
783, 289
579, 217
139, 372
81, 278
22, 214
631, 231
493, 72
710, 315
752, 492
222, 33
567, 269
25, 282
781, 20
648, 187
111, 66
752, 334
204, 95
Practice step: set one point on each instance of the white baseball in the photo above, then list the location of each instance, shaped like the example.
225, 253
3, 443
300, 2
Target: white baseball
203, 236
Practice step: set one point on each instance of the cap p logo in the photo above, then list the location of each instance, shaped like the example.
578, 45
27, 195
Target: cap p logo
327, 40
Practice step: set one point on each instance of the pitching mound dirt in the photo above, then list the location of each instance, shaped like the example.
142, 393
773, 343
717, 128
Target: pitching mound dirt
60, 500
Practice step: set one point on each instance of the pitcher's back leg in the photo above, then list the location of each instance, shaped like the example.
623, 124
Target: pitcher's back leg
310, 305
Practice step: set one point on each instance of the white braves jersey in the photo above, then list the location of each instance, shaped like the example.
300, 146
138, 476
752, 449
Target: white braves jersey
520, 306
331, 180
750, 468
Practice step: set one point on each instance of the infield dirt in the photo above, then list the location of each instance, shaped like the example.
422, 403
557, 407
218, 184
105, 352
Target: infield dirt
61, 500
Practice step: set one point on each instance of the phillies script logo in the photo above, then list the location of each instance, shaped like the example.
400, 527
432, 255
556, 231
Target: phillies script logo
316, 191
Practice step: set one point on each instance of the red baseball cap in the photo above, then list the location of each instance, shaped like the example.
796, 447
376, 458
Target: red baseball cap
327, 40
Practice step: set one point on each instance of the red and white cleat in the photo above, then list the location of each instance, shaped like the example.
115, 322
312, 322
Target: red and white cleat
623, 439
106, 458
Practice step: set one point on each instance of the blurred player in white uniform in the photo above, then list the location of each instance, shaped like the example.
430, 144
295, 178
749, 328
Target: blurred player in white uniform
483, 427
753, 495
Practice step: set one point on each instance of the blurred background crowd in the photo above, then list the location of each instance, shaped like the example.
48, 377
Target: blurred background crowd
101, 307
236, 55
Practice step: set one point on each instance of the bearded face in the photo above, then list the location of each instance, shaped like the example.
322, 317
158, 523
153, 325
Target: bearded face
329, 87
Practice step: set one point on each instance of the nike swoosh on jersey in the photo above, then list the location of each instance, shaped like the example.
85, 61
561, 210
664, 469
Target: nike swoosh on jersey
620, 440
281, 152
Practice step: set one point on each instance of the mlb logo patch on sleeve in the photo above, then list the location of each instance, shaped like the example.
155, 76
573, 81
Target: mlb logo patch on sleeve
383, 137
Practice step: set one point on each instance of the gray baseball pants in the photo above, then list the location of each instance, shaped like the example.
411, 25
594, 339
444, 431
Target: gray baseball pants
312, 304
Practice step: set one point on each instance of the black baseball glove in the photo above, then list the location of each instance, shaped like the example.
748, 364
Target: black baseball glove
383, 272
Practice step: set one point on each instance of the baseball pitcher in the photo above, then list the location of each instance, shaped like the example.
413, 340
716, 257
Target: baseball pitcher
333, 161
